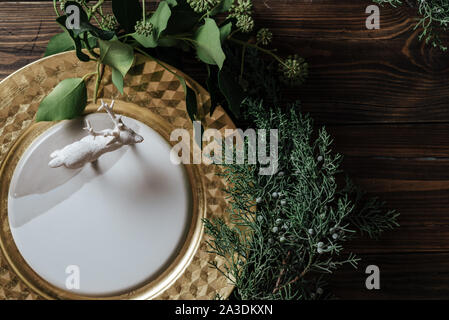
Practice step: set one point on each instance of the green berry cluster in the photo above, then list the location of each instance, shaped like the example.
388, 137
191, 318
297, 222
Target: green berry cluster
245, 24
110, 22
242, 7
241, 10
264, 36
201, 6
294, 70
144, 28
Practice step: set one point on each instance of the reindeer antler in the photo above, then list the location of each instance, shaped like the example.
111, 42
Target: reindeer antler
89, 129
116, 119
105, 133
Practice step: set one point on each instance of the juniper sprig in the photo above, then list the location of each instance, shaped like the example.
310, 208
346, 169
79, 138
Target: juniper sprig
287, 232
433, 18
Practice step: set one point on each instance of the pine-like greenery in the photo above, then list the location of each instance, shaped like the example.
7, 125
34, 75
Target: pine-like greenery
288, 230
434, 18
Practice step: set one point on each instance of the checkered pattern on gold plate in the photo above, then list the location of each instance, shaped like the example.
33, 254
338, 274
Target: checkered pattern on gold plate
148, 85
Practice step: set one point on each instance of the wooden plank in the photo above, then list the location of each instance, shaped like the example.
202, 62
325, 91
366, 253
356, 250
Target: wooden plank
392, 141
407, 166
402, 276
424, 219
25, 30
386, 81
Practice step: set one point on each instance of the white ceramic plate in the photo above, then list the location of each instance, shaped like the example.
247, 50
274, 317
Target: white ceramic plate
116, 224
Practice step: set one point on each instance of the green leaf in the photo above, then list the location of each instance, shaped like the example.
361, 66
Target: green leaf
76, 40
225, 31
59, 43
231, 90
97, 32
91, 42
172, 3
224, 6
212, 87
117, 79
208, 44
183, 19
83, 14
85, 25
191, 103
67, 101
159, 19
127, 13
117, 55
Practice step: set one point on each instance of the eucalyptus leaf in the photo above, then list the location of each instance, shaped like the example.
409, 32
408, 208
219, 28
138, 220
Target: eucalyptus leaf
231, 90
191, 103
183, 19
117, 79
116, 54
76, 40
86, 26
225, 31
59, 43
83, 15
127, 13
172, 3
208, 44
224, 6
91, 41
97, 32
159, 19
212, 87
67, 101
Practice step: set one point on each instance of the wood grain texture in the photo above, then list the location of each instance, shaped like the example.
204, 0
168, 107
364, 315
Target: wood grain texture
382, 94
403, 276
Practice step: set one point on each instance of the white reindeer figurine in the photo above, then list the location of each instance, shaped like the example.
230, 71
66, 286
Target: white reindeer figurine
91, 147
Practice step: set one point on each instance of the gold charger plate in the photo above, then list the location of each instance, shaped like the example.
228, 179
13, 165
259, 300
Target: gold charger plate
149, 86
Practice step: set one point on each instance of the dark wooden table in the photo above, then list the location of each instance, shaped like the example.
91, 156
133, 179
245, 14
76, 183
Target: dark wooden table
382, 94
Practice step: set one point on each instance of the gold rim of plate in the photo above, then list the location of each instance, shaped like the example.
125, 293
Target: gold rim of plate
153, 96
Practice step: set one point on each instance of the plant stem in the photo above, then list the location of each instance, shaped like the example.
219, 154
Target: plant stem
96, 19
95, 7
124, 36
86, 42
97, 81
242, 63
87, 75
143, 11
56, 9
246, 44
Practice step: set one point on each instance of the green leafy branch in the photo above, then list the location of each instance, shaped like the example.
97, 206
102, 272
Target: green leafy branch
433, 18
286, 232
188, 25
